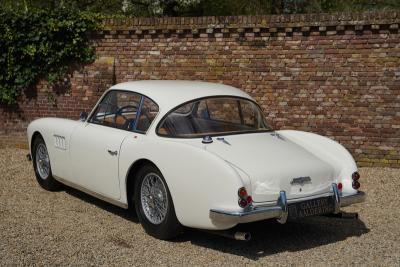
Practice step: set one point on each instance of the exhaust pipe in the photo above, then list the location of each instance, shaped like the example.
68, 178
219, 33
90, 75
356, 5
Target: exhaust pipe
242, 236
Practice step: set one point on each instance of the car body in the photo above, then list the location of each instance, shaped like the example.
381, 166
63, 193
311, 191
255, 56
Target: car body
220, 162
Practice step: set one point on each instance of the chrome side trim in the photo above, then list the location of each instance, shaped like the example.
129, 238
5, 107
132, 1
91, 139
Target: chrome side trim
92, 193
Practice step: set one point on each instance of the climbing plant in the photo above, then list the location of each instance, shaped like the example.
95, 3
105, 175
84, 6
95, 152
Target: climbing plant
41, 44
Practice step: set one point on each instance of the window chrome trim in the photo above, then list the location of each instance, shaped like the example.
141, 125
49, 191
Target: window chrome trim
138, 113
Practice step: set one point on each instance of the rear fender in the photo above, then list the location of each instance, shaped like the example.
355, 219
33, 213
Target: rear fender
328, 150
198, 180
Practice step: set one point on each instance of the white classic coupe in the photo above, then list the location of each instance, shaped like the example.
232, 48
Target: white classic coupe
192, 154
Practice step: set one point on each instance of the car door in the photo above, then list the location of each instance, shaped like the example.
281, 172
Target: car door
95, 145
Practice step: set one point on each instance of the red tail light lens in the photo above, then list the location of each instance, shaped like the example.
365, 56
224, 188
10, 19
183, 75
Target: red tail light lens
355, 176
340, 186
249, 200
243, 203
244, 199
242, 192
356, 185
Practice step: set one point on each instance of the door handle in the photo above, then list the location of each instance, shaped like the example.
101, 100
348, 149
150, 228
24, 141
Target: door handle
112, 153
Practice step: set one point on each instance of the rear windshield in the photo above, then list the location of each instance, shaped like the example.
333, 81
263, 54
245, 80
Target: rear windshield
213, 116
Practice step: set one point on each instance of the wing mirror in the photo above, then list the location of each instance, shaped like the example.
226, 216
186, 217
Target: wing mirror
83, 116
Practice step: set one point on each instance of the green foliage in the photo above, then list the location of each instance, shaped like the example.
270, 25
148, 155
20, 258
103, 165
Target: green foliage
265, 7
41, 43
250, 7
150, 8
108, 7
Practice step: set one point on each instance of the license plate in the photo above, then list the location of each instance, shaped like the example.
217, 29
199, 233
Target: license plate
312, 207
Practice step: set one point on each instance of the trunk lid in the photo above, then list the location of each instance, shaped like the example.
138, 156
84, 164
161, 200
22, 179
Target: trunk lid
275, 163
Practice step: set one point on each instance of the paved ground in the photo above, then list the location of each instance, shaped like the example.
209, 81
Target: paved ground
71, 228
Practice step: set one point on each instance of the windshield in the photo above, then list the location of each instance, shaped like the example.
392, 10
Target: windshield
213, 116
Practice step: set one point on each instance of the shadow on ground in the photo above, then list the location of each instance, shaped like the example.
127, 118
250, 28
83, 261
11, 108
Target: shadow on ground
126, 214
268, 237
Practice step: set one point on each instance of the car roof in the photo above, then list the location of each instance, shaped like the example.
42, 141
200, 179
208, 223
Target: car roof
169, 94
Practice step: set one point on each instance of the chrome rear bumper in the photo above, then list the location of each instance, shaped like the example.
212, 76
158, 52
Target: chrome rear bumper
280, 210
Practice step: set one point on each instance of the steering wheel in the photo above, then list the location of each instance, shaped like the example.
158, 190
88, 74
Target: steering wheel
119, 113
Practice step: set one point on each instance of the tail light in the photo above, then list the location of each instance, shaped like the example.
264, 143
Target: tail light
244, 199
356, 184
243, 203
242, 193
340, 186
355, 176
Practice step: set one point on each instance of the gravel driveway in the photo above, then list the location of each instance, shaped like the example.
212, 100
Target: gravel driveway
71, 228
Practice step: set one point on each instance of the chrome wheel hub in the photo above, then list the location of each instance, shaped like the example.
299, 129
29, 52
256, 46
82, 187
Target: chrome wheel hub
42, 161
154, 200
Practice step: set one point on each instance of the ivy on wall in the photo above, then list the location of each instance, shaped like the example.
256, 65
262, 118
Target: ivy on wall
41, 44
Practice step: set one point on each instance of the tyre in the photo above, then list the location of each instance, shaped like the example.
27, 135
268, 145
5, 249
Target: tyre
153, 204
42, 167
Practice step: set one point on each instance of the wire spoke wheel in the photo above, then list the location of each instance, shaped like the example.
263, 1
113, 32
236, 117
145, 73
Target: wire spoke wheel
42, 161
154, 198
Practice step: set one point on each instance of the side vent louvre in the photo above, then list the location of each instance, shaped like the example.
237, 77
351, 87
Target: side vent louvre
59, 142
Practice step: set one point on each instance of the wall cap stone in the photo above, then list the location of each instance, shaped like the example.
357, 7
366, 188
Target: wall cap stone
264, 21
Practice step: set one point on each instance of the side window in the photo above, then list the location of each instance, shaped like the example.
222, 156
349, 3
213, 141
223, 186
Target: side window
117, 109
147, 114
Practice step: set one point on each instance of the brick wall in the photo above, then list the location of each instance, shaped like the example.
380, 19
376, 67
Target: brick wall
333, 74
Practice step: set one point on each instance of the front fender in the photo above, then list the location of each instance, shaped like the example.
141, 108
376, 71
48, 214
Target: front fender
56, 133
328, 150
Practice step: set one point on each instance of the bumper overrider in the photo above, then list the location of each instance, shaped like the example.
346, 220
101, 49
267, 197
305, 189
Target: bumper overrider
280, 211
